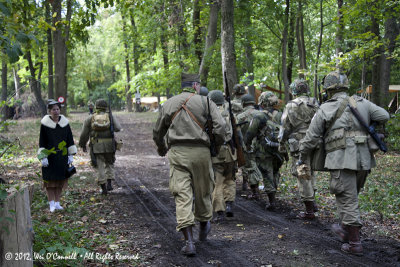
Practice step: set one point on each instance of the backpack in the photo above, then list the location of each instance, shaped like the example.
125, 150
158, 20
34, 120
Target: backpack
100, 122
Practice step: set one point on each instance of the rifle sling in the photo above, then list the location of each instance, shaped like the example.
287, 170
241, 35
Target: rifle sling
189, 112
339, 114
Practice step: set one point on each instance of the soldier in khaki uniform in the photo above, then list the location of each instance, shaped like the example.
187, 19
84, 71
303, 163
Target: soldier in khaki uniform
265, 128
250, 170
347, 152
295, 120
180, 131
224, 166
102, 149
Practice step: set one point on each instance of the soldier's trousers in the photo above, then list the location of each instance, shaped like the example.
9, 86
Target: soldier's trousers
105, 167
306, 187
191, 175
225, 185
346, 184
253, 173
270, 176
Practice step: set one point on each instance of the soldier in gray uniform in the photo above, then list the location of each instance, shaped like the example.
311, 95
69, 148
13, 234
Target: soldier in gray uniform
348, 157
294, 123
250, 172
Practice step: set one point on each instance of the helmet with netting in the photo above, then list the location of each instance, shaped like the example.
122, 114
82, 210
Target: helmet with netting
336, 80
217, 97
299, 87
248, 99
268, 99
239, 89
101, 104
203, 91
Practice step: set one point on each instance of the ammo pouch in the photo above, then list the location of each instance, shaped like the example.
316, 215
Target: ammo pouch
372, 146
294, 145
335, 140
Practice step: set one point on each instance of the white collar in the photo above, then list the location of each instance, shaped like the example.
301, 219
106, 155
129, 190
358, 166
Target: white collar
48, 122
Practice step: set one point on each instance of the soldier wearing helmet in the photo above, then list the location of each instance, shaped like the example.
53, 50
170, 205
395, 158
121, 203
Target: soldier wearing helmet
295, 120
224, 192
264, 127
96, 130
251, 174
348, 157
179, 130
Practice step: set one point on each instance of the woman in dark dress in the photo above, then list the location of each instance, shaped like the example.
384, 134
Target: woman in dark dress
55, 136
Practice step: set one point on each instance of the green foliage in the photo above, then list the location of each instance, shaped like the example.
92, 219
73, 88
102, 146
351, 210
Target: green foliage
393, 132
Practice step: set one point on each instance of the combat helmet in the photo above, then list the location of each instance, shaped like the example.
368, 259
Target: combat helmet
268, 99
217, 97
238, 89
101, 104
203, 91
299, 86
335, 80
248, 99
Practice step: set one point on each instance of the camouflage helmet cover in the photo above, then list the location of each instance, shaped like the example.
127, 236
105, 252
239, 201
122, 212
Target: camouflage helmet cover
217, 97
203, 91
239, 89
248, 99
101, 104
335, 80
299, 86
268, 99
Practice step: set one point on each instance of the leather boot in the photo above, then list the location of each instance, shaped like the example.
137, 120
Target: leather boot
354, 246
103, 189
228, 210
220, 217
254, 192
188, 249
245, 184
309, 213
341, 232
109, 186
315, 207
272, 203
205, 228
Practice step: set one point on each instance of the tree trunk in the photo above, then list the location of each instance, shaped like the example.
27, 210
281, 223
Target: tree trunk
300, 40
34, 84
128, 94
339, 33
50, 93
321, 31
391, 32
164, 48
210, 41
284, 44
248, 48
17, 81
4, 88
197, 29
376, 90
135, 55
60, 37
290, 56
228, 43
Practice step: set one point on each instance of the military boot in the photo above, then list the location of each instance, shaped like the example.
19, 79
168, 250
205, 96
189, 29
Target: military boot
205, 228
103, 189
354, 246
188, 249
109, 186
245, 184
228, 210
309, 213
315, 207
272, 203
220, 217
254, 192
340, 231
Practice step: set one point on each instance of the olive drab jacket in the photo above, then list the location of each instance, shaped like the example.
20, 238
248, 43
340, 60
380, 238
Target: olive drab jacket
177, 125
295, 120
346, 142
225, 153
236, 106
100, 141
247, 115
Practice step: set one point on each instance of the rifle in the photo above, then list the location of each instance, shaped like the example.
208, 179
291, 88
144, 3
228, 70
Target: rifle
370, 129
208, 130
111, 123
235, 137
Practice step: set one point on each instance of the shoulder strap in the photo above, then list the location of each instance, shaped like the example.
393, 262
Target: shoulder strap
189, 112
339, 113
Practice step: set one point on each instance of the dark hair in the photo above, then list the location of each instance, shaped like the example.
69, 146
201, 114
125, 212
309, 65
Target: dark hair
50, 106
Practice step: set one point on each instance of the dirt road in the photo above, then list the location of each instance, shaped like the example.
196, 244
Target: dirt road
253, 237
